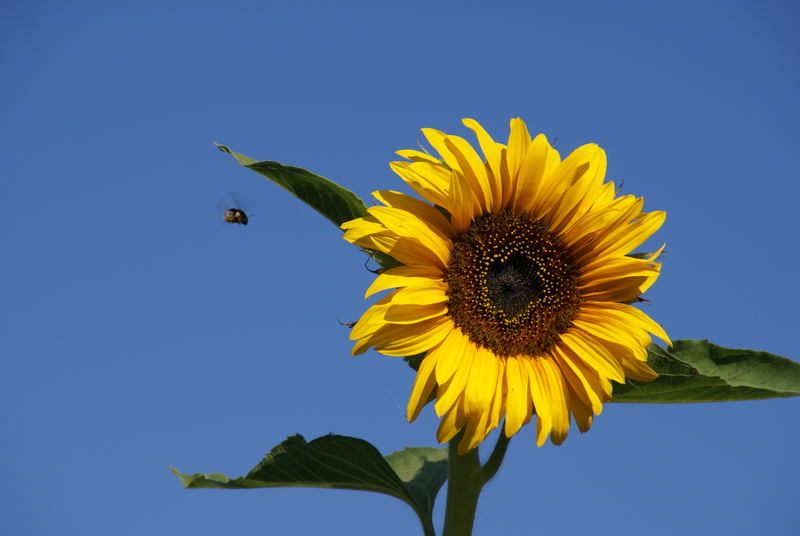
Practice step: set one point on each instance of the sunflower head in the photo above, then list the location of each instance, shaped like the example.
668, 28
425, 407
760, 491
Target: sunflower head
515, 282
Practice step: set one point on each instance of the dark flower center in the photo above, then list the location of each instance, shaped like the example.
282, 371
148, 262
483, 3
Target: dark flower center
512, 285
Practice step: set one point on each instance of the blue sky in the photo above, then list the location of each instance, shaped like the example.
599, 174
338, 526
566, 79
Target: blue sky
139, 331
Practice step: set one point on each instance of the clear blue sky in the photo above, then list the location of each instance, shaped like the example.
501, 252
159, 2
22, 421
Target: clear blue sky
139, 331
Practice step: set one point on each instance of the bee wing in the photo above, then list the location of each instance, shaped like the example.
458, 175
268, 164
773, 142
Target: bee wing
235, 199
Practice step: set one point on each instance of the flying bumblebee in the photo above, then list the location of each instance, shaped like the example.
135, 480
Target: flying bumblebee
232, 213
235, 215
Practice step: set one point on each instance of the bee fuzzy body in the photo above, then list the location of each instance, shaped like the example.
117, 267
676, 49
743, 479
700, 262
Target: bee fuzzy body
235, 215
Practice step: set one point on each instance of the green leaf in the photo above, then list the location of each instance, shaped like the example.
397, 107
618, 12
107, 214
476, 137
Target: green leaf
413, 475
423, 470
336, 203
699, 371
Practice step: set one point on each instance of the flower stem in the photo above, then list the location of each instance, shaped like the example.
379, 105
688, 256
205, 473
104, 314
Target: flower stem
465, 480
427, 524
493, 463
463, 488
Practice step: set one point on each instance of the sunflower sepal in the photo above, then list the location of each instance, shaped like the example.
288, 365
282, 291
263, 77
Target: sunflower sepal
414, 475
414, 361
384, 261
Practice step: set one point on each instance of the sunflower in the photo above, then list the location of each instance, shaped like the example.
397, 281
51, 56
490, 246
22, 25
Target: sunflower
515, 282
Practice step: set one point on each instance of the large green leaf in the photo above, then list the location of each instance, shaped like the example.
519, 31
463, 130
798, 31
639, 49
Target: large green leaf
336, 203
699, 371
413, 475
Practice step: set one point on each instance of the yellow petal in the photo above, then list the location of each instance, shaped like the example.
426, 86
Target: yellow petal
616, 267
558, 401
498, 403
630, 315
436, 139
405, 276
431, 181
372, 320
417, 156
423, 387
473, 169
421, 295
540, 161
453, 390
518, 395
605, 196
452, 349
492, 153
593, 354
480, 383
404, 340
620, 290
462, 204
621, 279
408, 251
632, 359
518, 142
422, 210
451, 424
361, 227
582, 379
579, 198
637, 370
610, 329
562, 178
474, 433
646, 225
595, 224
540, 394
407, 224
413, 314
583, 415
623, 239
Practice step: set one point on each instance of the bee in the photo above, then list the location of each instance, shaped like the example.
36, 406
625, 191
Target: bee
235, 215
232, 213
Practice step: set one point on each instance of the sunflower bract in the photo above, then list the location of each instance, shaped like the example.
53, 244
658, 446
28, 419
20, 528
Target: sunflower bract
519, 297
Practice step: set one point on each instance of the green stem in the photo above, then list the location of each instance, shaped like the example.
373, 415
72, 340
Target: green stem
493, 463
465, 479
425, 520
463, 488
